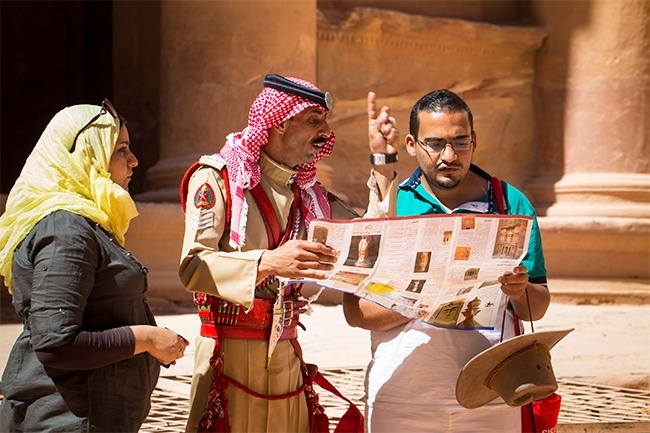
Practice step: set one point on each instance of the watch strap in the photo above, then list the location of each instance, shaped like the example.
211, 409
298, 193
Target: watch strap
383, 158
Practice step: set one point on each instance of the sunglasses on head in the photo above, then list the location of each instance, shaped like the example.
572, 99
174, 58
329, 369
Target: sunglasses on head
107, 107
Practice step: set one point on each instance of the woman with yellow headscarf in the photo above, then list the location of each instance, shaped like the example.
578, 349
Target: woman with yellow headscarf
89, 355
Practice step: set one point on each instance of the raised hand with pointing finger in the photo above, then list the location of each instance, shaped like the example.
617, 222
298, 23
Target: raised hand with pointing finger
383, 137
382, 130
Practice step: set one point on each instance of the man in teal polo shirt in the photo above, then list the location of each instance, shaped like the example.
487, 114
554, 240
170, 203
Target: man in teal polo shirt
411, 378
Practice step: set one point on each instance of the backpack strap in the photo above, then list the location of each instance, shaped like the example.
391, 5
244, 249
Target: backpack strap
527, 411
499, 197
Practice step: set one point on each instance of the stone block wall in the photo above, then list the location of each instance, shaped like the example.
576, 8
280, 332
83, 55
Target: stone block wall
560, 105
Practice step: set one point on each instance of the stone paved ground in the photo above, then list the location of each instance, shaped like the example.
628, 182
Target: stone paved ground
610, 344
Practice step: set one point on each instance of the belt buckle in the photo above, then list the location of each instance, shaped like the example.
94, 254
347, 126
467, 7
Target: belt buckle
287, 320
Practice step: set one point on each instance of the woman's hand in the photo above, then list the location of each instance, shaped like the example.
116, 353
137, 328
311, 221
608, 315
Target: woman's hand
161, 343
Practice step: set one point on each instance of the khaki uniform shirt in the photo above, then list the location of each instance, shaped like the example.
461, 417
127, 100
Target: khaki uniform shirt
210, 265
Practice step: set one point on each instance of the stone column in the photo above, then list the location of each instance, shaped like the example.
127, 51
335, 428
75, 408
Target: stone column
214, 55
593, 91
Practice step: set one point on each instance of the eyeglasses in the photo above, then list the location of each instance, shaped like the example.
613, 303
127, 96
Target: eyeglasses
439, 146
107, 107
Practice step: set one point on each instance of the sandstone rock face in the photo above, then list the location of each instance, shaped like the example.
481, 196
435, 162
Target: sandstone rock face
402, 57
155, 238
214, 56
561, 107
592, 108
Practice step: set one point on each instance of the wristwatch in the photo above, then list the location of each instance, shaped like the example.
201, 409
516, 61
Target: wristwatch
383, 158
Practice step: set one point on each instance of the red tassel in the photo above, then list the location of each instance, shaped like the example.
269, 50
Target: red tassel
215, 416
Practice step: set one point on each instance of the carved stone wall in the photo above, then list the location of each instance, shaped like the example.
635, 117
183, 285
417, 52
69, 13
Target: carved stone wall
401, 57
214, 56
155, 238
561, 105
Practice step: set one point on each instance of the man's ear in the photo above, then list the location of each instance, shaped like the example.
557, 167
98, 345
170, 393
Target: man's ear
410, 143
280, 128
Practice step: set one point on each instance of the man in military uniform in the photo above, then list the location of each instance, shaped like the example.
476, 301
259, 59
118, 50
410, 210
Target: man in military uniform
247, 210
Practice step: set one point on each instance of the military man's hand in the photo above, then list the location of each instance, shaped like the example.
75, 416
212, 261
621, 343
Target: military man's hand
297, 259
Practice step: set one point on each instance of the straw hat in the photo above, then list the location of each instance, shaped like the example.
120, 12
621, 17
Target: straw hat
518, 370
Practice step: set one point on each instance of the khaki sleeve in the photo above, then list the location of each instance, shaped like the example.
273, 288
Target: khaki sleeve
378, 208
208, 263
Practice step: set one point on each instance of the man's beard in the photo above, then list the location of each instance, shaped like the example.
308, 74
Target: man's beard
444, 182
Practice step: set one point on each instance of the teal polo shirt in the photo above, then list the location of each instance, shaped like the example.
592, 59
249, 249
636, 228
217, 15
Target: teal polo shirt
413, 199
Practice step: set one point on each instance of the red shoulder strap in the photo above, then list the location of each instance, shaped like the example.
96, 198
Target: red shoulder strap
185, 184
273, 229
226, 182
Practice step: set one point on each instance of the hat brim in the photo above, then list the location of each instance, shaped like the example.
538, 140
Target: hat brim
471, 391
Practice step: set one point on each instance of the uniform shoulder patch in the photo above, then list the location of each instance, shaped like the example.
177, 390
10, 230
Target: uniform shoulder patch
204, 197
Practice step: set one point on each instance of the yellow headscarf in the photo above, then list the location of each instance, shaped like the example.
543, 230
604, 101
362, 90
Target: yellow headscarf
55, 179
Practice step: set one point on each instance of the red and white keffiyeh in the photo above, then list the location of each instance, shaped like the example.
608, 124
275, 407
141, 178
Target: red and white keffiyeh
241, 153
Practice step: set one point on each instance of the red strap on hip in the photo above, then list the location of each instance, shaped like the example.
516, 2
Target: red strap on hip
350, 422
263, 396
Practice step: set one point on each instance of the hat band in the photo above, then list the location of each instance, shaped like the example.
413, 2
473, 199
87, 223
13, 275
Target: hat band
498, 368
278, 82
